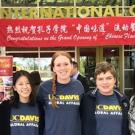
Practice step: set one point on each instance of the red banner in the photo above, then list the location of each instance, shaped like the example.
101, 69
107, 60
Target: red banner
6, 76
67, 32
6, 65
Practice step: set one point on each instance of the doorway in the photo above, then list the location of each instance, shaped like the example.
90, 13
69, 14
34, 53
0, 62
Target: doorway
35, 59
89, 57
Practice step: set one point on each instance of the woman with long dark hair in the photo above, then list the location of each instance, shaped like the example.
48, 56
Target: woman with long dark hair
21, 115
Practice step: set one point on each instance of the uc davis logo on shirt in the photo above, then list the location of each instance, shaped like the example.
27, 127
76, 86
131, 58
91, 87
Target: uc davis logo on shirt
24, 120
108, 110
66, 99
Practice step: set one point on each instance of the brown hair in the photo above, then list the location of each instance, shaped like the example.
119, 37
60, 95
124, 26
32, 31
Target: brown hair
75, 64
54, 80
104, 67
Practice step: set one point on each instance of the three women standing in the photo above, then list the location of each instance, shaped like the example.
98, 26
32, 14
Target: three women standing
103, 111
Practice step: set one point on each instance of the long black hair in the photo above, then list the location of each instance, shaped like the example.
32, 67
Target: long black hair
15, 99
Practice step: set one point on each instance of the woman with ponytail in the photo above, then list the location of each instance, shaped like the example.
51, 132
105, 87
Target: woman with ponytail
61, 97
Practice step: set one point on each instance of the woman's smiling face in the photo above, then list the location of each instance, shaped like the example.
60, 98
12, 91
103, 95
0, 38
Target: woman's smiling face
62, 68
23, 88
